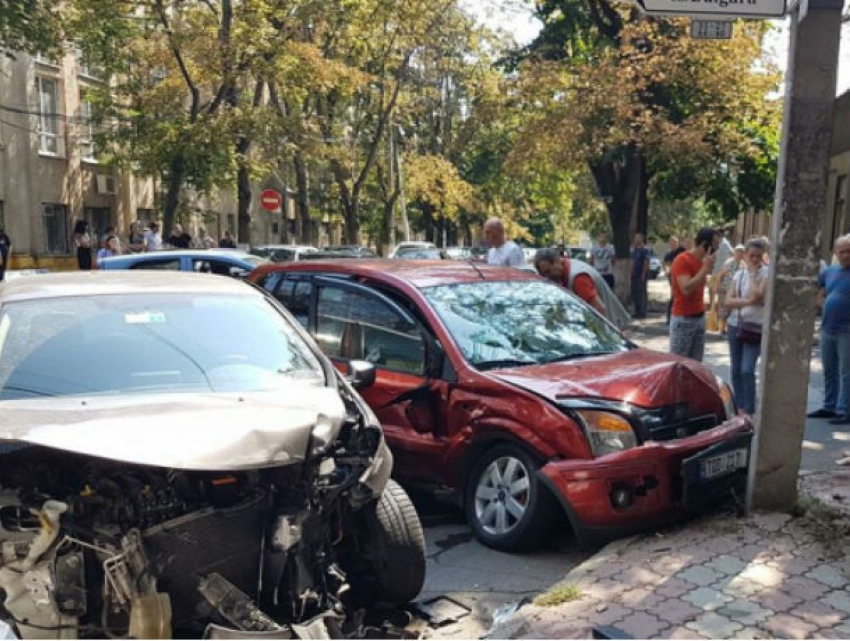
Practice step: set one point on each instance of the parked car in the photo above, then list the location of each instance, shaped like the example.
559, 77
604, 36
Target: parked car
352, 251
177, 455
324, 254
579, 253
282, 253
459, 253
224, 262
529, 253
655, 266
520, 398
421, 253
478, 254
411, 245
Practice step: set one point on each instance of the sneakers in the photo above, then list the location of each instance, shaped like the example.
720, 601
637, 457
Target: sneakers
822, 413
842, 419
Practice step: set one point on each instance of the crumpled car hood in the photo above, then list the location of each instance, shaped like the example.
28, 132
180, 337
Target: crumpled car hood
639, 377
203, 431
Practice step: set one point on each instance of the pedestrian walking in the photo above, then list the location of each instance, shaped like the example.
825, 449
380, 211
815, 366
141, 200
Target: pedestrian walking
603, 258
834, 297
135, 239
204, 241
502, 252
669, 257
689, 274
111, 248
82, 243
179, 238
745, 302
725, 278
153, 241
227, 242
583, 281
640, 272
5, 252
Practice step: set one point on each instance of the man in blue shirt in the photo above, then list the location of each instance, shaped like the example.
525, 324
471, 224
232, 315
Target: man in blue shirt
834, 296
640, 270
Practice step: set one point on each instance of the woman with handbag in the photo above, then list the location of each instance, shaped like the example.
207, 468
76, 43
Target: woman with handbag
745, 302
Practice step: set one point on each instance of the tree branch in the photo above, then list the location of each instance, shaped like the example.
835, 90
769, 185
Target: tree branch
181, 63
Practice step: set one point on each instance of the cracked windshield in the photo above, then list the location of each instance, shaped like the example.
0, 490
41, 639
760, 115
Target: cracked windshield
505, 324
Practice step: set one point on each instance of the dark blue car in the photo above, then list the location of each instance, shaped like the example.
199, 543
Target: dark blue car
225, 262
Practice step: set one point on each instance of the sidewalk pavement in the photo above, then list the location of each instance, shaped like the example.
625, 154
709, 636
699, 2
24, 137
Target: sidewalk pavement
718, 577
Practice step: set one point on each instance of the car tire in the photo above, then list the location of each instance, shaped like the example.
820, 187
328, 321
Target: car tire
397, 543
507, 506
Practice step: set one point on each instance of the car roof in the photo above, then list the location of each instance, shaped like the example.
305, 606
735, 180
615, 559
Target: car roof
418, 273
178, 253
283, 247
116, 282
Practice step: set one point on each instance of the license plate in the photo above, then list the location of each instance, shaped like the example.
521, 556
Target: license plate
725, 463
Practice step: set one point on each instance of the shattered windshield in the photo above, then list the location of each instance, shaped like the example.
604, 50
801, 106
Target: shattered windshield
148, 344
514, 323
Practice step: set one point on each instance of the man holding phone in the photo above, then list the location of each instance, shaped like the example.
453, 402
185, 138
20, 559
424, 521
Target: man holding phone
688, 277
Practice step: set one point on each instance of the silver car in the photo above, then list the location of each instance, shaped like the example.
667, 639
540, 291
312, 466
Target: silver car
177, 457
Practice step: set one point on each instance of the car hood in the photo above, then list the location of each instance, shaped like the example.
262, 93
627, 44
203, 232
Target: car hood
638, 377
192, 432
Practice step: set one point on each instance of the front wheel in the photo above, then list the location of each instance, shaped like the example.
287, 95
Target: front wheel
507, 507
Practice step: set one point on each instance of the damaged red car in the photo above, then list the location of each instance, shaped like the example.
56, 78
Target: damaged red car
519, 400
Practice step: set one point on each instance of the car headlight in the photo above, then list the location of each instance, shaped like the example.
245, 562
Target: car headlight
607, 432
728, 397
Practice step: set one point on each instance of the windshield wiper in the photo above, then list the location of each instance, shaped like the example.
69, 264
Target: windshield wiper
503, 362
572, 357
26, 390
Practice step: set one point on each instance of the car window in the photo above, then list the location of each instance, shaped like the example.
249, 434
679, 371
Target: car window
270, 280
281, 255
172, 264
351, 325
295, 295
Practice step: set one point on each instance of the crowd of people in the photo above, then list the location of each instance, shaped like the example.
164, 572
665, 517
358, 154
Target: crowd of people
140, 238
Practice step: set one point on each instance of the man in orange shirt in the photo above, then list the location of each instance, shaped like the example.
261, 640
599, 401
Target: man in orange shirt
688, 276
559, 269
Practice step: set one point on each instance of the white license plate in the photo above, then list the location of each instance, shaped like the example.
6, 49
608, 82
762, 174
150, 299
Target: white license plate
723, 463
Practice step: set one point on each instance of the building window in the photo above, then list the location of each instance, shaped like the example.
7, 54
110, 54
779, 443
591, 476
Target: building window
49, 141
99, 218
838, 209
86, 131
85, 66
43, 59
55, 219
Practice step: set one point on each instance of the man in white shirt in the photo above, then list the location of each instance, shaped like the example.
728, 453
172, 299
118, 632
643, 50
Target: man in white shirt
502, 252
153, 241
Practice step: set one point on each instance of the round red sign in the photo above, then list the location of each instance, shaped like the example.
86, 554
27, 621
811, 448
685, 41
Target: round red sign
270, 200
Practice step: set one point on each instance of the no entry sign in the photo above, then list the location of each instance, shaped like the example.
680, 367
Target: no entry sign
723, 9
271, 200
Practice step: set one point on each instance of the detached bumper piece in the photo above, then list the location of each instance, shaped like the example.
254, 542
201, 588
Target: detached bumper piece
651, 485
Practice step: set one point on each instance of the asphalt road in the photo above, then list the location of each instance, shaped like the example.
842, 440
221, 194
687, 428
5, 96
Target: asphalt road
471, 581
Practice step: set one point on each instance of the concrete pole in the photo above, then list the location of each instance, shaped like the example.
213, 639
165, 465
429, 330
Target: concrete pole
801, 196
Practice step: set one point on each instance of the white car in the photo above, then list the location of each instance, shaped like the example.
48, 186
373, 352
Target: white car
409, 245
283, 253
654, 267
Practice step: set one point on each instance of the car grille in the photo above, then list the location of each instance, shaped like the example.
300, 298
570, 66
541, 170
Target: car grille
682, 429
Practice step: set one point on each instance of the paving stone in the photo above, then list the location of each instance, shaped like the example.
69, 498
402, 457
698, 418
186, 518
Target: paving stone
754, 553
827, 575
605, 589
610, 569
738, 588
636, 576
723, 544
610, 615
760, 573
679, 632
726, 564
842, 629
641, 625
699, 575
805, 589
745, 612
818, 614
793, 564
839, 600
771, 521
675, 611
640, 598
673, 588
782, 544
776, 600
707, 598
670, 564
714, 626
786, 626
751, 633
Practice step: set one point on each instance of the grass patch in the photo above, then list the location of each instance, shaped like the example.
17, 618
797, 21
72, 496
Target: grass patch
558, 595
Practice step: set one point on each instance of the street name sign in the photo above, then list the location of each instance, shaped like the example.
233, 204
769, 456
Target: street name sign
271, 200
718, 9
711, 29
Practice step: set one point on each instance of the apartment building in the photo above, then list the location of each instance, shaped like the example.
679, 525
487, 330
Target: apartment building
50, 175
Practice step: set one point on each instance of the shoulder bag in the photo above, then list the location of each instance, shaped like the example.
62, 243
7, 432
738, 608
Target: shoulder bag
747, 332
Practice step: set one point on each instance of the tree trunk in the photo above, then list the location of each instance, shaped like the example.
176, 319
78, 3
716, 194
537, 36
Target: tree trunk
302, 182
173, 185
428, 221
352, 222
243, 208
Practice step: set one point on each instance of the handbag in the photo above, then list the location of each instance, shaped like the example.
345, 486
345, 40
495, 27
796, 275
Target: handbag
747, 332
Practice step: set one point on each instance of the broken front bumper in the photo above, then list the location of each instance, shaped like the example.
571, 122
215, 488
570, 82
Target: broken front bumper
650, 485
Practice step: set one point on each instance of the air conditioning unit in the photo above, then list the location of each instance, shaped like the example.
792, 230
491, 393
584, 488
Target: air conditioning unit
106, 184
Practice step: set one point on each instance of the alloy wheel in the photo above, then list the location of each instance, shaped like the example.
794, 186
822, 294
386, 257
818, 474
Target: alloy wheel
502, 494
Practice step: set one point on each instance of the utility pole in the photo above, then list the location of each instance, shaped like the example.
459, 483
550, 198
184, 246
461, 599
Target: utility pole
795, 239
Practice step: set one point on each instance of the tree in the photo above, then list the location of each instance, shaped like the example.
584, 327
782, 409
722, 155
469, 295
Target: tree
30, 26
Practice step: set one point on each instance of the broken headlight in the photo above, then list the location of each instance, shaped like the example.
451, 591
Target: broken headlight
607, 432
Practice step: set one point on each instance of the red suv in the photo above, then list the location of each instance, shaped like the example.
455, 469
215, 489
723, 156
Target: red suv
516, 396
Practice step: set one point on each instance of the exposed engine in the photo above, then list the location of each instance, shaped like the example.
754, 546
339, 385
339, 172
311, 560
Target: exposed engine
94, 548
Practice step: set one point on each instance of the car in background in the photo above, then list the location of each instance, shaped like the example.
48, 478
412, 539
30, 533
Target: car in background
655, 266
351, 251
324, 254
579, 253
509, 391
282, 253
459, 253
223, 262
179, 442
529, 253
421, 253
411, 245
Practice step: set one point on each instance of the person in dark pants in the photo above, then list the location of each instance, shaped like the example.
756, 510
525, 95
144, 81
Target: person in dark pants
5, 252
640, 271
669, 257
82, 241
